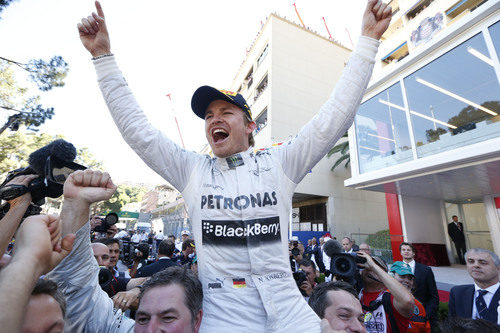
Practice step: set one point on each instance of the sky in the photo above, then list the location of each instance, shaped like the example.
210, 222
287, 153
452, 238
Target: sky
162, 47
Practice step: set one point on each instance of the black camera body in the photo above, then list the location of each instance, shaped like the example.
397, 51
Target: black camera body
106, 222
345, 265
300, 277
105, 276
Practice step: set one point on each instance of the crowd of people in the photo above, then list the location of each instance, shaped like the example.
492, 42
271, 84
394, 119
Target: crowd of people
69, 273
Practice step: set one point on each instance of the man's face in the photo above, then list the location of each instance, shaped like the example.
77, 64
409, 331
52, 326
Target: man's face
311, 274
344, 312
172, 239
346, 244
365, 248
114, 254
321, 241
225, 128
43, 314
112, 231
163, 309
406, 280
101, 254
407, 253
481, 268
314, 241
455, 219
184, 237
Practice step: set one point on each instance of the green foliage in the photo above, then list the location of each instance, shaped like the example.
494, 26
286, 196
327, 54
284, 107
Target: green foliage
26, 109
343, 149
124, 194
15, 148
380, 240
442, 311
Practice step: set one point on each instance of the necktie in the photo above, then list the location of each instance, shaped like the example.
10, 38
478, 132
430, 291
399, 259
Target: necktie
480, 303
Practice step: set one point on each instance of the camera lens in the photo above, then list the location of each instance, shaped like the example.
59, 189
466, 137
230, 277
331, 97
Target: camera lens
342, 265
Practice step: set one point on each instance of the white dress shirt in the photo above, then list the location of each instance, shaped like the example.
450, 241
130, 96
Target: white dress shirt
487, 298
412, 265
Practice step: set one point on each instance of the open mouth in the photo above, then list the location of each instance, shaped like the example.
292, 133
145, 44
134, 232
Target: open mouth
219, 135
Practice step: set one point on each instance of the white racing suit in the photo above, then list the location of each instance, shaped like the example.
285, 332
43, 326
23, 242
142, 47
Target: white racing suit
240, 206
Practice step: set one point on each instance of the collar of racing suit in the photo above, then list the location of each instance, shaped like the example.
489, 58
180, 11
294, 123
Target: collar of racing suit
234, 161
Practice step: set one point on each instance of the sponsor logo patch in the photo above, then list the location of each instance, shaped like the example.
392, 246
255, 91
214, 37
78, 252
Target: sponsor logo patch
241, 233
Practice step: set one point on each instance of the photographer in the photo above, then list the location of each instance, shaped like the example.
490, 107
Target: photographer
307, 286
141, 254
13, 217
387, 304
296, 253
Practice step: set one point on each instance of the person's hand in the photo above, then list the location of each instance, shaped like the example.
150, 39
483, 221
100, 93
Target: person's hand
88, 186
370, 263
94, 33
127, 299
95, 222
376, 19
326, 328
306, 286
38, 241
24, 199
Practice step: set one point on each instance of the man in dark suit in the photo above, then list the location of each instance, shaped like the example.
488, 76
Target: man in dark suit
426, 289
456, 233
481, 299
165, 252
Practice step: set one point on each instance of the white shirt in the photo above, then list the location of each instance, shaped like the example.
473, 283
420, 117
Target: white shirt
487, 298
160, 236
136, 238
121, 234
412, 265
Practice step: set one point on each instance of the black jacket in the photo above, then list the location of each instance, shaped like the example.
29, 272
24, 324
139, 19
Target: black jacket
456, 235
426, 291
460, 304
160, 265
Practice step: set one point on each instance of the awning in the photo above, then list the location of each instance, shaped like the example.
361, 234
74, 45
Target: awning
397, 48
449, 11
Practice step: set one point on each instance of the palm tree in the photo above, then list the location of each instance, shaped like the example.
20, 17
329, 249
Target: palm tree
343, 149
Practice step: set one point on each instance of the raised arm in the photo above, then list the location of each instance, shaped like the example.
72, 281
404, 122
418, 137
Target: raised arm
38, 249
88, 307
317, 137
160, 153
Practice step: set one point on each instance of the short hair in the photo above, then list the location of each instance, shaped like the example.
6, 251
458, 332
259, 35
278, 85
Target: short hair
186, 244
347, 239
166, 247
171, 236
467, 325
307, 263
251, 140
407, 244
193, 291
49, 287
454, 216
109, 241
318, 300
495, 258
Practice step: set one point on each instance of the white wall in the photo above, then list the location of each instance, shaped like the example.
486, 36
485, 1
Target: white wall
423, 220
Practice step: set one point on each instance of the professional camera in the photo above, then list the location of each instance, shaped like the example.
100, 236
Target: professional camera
52, 163
342, 265
105, 277
300, 277
106, 222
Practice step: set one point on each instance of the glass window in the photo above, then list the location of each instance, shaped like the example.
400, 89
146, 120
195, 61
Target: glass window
382, 131
262, 55
455, 100
261, 121
495, 36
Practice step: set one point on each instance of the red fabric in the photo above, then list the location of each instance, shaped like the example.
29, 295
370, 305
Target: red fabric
395, 228
444, 296
431, 254
402, 321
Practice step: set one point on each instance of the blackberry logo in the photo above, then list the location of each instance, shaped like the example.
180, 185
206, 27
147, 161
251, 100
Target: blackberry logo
241, 233
207, 227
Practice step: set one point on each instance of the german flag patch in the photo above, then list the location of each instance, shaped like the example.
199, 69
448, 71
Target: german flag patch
239, 283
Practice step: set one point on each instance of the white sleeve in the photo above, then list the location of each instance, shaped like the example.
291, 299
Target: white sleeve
88, 307
159, 152
318, 136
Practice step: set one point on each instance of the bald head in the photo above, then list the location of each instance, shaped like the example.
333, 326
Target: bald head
101, 254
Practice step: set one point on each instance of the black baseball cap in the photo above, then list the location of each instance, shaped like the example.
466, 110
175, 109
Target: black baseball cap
205, 95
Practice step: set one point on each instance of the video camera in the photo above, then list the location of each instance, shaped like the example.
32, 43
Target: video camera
300, 277
53, 164
342, 265
106, 222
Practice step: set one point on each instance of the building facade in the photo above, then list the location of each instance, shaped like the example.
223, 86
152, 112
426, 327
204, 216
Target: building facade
428, 131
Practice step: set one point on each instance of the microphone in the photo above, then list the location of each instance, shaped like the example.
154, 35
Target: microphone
58, 148
332, 247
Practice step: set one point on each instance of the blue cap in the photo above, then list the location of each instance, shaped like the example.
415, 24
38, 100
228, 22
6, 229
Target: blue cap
205, 95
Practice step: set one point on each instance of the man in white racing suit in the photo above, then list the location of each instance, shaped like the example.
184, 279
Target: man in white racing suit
240, 201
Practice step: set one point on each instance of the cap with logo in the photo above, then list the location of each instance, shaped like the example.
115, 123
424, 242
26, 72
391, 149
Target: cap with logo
401, 268
185, 232
205, 95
